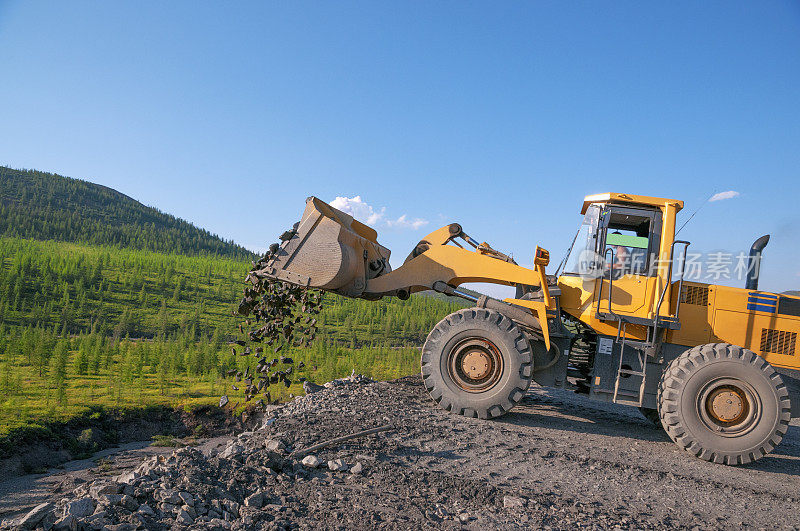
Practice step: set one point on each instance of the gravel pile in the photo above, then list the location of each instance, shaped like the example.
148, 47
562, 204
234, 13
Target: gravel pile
535, 468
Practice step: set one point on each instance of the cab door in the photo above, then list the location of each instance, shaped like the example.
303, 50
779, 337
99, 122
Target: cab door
628, 241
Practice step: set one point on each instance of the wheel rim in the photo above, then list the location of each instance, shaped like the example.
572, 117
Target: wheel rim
475, 364
729, 407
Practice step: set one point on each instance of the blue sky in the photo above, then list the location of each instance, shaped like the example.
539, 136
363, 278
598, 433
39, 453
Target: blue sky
500, 116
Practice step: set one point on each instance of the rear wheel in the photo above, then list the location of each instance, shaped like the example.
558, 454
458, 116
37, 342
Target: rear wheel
477, 362
723, 403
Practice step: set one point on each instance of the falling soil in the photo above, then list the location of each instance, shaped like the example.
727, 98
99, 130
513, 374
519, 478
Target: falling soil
278, 315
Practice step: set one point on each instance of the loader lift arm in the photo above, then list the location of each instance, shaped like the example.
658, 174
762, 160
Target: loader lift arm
436, 265
434, 260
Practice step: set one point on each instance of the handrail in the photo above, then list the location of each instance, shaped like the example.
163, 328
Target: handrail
680, 282
610, 282
669, 279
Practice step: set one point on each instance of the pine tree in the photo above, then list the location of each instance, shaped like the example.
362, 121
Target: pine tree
81, 363
163, 320
58, 372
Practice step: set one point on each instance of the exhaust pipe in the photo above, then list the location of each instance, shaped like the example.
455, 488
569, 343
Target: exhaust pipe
754, 265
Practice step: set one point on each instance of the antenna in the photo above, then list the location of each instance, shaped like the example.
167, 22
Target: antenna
695, 212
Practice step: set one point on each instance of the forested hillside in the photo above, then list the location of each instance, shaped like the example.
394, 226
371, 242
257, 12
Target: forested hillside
46, 206
84, 325
106, 302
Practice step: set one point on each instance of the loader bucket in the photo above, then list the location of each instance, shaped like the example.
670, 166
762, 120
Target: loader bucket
329, 250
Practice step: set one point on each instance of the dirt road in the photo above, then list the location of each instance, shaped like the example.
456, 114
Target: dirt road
556, 460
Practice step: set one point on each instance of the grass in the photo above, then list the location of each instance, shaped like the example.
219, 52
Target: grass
34, 404
162, 324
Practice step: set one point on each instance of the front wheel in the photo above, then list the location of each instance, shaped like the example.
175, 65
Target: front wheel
477, 363
723, 403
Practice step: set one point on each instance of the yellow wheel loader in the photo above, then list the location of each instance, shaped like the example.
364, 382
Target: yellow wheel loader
716, 366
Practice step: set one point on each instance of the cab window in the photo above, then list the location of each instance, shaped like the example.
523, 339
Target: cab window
633, 237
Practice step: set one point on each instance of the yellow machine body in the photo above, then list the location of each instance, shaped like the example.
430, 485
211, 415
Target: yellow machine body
618, 322
766, 323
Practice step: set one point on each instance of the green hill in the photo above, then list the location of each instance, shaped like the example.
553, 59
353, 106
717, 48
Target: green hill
84, 326
46, 206
105, 302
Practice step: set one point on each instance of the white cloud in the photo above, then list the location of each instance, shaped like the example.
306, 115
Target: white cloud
730, 194
357, 208
404, 223
366, 213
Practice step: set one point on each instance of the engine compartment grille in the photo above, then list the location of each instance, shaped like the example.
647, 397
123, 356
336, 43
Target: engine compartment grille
778, 341
697, 295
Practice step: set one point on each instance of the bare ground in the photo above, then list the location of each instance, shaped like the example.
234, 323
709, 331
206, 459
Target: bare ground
557, 460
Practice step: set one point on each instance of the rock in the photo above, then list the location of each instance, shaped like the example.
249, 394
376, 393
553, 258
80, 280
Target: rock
187, 498
129, 502
358, 378
232, 450
80, 508
274, 445
218, 522
231, 507
68, 522
35, 515
441, 512
128, 477
184, 518
311, 388
358, 468
254, 500
513, 501
311, 461
146, 510
98, 520
169, 496
168, 508
223, 401
98, 489
337, 465
108, 500
48, 521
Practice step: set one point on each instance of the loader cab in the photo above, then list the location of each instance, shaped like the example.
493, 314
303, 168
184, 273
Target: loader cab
615, 266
